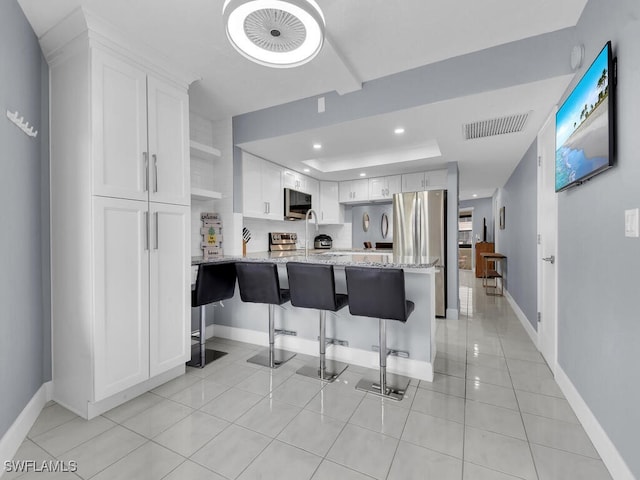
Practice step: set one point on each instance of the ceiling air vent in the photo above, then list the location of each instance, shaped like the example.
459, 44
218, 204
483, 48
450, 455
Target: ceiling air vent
496, 126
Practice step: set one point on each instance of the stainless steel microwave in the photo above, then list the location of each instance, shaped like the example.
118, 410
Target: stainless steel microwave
296, 204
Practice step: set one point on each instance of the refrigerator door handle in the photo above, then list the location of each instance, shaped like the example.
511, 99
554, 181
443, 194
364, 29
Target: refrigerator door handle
418, 230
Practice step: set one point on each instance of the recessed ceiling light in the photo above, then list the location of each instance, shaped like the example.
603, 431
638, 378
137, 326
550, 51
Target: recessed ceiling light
399, 131
307, 170
363, 174
275, 33
474, 195
317, 146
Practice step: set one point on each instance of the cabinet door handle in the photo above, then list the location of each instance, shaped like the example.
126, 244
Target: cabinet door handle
145, 157
146, 222
157, 229
155, 167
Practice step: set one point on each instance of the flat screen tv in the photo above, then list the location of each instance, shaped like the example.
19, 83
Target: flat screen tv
585, 125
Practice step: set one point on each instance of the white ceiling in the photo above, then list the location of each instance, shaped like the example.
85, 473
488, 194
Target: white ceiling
368, 39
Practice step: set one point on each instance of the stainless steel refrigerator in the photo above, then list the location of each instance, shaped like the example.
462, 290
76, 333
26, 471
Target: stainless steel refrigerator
419, 230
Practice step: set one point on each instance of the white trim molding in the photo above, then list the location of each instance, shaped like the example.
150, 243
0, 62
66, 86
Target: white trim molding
13, 438
533, 334
612, 459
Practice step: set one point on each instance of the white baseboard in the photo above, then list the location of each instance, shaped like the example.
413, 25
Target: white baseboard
533, 334
612, 459
13, 438
402, 366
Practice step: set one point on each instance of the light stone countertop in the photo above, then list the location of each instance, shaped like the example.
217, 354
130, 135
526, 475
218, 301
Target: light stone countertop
337, 257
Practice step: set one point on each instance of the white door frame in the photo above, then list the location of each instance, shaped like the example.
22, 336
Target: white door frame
547, 212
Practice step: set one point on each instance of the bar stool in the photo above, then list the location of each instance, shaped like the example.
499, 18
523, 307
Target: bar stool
259, 283
215, 282
380, 293
314, 286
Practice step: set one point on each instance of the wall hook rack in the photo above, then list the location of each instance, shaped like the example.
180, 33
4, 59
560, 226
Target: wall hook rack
19, 121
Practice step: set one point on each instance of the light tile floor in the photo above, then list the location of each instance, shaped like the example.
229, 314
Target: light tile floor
493, 412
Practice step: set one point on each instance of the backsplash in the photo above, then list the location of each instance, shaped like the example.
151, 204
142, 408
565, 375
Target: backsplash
259, 229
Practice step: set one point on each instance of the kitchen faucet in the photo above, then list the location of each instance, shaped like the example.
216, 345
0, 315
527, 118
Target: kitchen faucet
306, 227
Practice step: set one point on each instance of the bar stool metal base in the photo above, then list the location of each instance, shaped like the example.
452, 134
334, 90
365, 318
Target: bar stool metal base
279, 357
395, 389
209, 356
331, 371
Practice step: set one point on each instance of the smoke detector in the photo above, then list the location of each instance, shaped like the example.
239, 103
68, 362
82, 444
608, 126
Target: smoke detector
495, 126
275, 33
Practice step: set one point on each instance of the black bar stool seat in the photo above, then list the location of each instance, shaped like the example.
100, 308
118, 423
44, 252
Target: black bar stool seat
259, 283
314, 286
215, 282
380, 293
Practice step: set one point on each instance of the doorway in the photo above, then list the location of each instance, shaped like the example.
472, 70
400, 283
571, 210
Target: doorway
547, 245
465, 239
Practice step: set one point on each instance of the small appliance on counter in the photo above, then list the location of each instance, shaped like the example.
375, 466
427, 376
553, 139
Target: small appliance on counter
322, 241
282, 241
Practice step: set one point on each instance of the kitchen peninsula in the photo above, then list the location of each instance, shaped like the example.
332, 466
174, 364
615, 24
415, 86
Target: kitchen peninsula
353, 337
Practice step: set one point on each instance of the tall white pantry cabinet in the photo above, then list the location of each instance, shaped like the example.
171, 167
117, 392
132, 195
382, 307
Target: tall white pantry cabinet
119, 225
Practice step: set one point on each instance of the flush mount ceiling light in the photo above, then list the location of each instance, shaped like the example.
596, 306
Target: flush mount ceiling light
317, 146
399, 131
275, 33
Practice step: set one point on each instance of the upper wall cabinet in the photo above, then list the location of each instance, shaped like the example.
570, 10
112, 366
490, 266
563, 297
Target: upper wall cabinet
431, 180
262, 194
354, 191
140, 137
383, 188
329, 208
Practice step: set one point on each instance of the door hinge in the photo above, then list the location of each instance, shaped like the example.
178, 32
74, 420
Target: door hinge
539, 317
539, 160
539, 239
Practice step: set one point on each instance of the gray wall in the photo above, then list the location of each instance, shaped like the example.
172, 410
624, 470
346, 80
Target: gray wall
482, 208
374, 234
518, 241
598, 268
25, 355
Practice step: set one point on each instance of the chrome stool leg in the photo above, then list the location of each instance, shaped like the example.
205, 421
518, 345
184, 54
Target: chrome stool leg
329, 370
392, 386
274, 357
200, 355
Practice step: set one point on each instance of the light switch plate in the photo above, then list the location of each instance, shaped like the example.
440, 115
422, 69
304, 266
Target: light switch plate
631, 227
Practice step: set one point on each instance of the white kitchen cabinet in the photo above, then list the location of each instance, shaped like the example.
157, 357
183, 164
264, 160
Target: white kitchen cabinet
120, 234
169, 286
121, 295
436, 179
383, 188
293, 180
431, 180
262, 193
329, 206
299, 182
141, 298
140, 125
413, 182
354, 191
312, 187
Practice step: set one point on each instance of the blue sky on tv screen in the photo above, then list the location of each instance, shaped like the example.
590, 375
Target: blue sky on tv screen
585, 93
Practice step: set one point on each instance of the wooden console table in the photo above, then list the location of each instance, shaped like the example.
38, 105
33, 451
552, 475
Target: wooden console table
483, 247
497, 274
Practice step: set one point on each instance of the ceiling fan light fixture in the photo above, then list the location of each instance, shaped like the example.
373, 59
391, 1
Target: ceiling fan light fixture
275, 33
